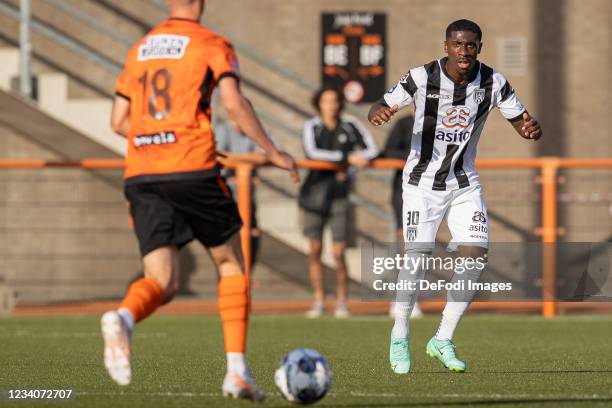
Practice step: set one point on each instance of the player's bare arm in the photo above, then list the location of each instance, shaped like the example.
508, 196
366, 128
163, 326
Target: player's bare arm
528, 127
251, 157
380, 113
120, 116
241, 111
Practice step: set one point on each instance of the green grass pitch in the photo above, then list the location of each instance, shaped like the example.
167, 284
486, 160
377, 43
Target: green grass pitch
178, 361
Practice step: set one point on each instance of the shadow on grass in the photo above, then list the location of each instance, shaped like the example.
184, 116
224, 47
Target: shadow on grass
484, 402
545, 372
466, 374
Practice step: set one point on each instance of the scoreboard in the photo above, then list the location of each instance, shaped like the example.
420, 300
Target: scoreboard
353, 54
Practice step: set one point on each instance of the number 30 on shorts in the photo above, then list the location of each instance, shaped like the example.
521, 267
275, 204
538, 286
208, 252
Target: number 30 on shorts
412, 218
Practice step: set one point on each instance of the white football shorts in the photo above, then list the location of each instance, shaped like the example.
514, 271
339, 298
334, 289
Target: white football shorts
465, 211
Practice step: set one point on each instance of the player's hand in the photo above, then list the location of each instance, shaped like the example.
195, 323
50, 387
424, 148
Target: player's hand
381, 114
531, 127
285, 161
358, 161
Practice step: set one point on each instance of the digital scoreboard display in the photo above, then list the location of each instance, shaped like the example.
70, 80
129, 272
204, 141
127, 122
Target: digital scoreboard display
353, 54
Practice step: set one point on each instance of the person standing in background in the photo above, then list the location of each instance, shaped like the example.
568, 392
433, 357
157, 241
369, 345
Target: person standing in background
324, 196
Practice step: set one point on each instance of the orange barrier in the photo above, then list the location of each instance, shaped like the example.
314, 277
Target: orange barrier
244, 165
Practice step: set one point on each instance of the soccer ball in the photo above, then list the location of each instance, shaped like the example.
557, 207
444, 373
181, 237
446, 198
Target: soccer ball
303, 377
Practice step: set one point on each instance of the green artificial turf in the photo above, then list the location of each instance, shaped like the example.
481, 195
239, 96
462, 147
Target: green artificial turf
178, 361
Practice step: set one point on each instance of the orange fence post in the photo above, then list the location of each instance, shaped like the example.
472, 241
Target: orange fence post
550, 167
243, 182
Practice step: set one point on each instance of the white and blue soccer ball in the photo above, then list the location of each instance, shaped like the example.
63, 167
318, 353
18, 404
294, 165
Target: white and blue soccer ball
303, 377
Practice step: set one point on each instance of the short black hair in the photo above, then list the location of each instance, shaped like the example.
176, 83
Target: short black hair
316, 98
464, 25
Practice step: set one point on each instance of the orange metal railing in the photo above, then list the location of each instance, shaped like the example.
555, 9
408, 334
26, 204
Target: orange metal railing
548, 166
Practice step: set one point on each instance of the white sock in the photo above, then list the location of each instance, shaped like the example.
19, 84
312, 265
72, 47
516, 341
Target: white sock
405, 300
448, 324
236, 364
456, 304
402, 315
127, 317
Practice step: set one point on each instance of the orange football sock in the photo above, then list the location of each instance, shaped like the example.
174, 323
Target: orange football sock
142, 298
234, 310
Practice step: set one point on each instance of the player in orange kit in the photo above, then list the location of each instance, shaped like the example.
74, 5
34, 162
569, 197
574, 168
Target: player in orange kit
172, 181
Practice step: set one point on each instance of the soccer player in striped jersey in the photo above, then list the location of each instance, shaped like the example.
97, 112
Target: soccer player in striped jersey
453, 97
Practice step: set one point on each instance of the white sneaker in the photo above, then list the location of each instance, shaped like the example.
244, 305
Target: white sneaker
243, 387
117, 339
342, 312
315, 311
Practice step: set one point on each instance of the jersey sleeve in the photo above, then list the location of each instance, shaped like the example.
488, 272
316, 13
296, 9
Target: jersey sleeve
508, 101
402, 94
224, 61
122, 86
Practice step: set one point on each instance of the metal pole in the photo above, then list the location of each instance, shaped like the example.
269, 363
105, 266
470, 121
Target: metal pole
25, 48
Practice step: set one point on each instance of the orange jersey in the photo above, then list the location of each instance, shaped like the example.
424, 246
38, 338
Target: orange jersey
169, 77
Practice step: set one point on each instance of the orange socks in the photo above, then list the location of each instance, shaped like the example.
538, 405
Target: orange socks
142, 298
234, 310
145, 295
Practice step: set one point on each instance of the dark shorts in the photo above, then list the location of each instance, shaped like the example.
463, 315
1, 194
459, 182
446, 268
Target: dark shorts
338, 219
176, 212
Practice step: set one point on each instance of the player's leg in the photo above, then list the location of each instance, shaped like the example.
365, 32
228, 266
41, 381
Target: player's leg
142, 298
468, 223
338, 220
313, 225
339, 251
159, 230
233, 300
212, 214
397, 205
423, 212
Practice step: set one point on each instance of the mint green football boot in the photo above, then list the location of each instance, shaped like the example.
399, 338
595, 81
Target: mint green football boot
444, 350
399, 355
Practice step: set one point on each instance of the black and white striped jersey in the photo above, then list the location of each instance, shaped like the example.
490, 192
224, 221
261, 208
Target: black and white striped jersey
449, 119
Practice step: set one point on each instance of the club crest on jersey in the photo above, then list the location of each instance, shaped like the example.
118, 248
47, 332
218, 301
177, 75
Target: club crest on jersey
479, 95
